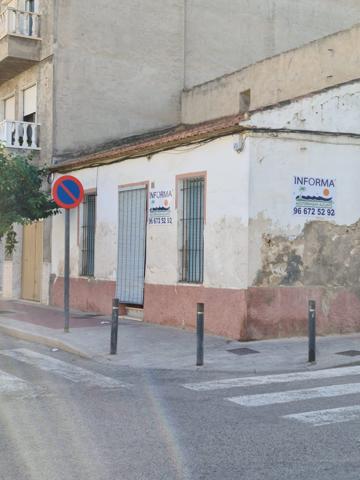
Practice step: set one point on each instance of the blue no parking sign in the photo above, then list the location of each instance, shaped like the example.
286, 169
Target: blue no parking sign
68, 192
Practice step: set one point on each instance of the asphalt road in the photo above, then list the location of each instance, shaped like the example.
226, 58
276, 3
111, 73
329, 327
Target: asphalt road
65, 418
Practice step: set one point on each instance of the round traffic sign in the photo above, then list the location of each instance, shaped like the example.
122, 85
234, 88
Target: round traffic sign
68, 192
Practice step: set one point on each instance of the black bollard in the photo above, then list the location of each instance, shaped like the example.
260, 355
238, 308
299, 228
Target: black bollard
200, 334
114, 326
312, 331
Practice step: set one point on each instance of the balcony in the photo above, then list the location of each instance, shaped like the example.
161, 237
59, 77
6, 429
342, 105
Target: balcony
22, 135
19, 42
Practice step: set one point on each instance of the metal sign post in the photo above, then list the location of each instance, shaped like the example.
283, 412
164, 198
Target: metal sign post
68, 193
67, 271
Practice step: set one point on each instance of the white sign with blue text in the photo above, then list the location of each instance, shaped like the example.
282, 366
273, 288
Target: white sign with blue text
161, 206
314, 197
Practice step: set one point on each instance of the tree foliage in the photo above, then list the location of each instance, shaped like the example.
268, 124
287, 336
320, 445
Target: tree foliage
22, 197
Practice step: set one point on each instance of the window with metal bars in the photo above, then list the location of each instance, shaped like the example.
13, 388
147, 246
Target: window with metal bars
192, 230
88, 235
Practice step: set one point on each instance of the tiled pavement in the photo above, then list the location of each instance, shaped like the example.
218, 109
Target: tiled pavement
142, 345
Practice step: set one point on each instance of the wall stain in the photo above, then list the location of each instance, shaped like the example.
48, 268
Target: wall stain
323, 254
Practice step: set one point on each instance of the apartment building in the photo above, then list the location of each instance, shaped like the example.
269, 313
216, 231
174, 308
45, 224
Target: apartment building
78, 76
26, 113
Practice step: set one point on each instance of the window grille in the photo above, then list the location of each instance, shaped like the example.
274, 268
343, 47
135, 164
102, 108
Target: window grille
192, 230
88, 235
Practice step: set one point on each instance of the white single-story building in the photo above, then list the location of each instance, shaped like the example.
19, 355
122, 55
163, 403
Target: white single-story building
252, 216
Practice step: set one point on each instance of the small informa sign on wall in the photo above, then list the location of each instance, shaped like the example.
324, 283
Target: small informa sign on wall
314, 197
161, 206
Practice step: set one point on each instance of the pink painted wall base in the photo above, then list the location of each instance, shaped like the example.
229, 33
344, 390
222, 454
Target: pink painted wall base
283, 311
225, 309
256, 313
87, 295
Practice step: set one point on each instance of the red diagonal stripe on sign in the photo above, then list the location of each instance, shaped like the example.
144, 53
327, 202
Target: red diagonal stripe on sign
68, 192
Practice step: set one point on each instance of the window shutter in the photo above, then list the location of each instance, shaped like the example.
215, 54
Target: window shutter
9, 109
30, 101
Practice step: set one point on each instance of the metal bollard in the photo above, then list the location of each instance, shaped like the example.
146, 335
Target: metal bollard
200, 335
114, 326
312, 331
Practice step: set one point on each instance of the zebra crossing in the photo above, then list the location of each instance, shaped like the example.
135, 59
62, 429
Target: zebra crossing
294, 397
11, 385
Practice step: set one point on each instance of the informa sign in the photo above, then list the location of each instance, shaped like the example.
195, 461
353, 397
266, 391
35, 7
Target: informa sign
161, 206
314, 197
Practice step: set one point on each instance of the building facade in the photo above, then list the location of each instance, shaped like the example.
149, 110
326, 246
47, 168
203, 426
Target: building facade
26, 113
75, 79
253, 224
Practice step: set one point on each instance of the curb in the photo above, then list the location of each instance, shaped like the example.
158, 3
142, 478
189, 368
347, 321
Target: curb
42, 340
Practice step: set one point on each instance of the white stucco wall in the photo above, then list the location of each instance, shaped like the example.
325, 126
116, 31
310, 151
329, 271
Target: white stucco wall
335, 110
249, 195
226, 221
274, 163
277, 157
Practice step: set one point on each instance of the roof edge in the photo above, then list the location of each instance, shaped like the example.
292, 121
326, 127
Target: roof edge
179, 136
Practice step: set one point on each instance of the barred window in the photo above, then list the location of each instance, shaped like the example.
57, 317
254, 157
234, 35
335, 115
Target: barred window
88, 235
192, 230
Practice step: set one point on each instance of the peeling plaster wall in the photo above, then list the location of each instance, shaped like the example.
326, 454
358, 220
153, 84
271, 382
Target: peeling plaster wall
324, 254
288, 250
334, 110
226, 259
262, 263
293, 259
283, 247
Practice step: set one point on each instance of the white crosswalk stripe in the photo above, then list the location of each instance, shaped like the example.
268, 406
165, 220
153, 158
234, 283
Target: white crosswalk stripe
14, 387
12, 384
318, 418
296, 395
58, 367
314, 418
272, 379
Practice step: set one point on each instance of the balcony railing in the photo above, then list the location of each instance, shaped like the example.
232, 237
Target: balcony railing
20, 23
23, 135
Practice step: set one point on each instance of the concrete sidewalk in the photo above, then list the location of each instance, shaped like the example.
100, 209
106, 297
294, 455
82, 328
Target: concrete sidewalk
143, 345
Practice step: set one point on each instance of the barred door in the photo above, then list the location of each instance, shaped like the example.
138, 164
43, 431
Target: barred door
132, 245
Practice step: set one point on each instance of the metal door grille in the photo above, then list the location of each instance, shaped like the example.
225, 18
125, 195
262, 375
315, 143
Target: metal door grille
88, 235
192, 230
132, 245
